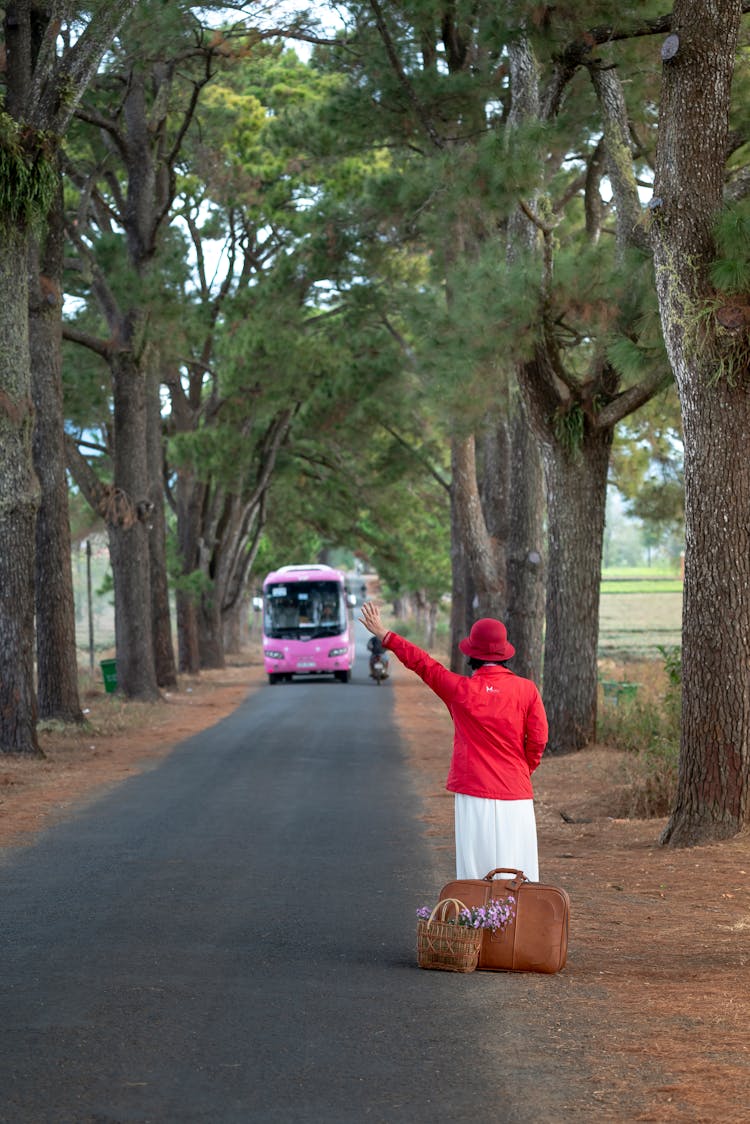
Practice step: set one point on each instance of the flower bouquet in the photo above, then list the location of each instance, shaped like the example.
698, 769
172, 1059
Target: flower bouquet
451, 944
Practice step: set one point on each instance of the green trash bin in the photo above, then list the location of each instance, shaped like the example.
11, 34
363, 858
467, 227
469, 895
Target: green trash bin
615, 689
109, 675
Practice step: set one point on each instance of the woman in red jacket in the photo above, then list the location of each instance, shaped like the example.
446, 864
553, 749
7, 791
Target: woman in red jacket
500, 731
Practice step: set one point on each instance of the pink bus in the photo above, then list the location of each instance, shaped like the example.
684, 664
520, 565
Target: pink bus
306, 625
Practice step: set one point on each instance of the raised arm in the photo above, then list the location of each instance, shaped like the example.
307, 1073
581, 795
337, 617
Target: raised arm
371, 620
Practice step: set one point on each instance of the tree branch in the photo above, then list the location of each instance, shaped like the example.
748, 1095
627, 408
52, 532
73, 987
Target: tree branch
403, 79
628, 211
83, 474
57, 89
632, 398
93, 343
418, 456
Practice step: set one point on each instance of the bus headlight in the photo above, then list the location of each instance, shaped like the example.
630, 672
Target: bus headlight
270, 654
338, 651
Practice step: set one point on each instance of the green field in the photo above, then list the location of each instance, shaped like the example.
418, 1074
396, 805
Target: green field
641, 585
635, 622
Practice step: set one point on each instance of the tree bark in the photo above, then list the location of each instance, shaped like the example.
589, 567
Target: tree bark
461, 592
161, 624
189, 497
128, 521
57, 660
19, 500
576, 501
483, 552
711, 370
210, 633
188, 647
525, 569
526, 573
236, 628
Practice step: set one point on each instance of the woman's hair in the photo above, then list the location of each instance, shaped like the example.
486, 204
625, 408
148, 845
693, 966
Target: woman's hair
474, 663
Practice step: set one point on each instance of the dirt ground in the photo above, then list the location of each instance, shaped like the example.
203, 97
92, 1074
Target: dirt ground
654, 999
653, 1004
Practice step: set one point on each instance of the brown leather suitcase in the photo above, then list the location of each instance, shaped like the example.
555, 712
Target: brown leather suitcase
536, 940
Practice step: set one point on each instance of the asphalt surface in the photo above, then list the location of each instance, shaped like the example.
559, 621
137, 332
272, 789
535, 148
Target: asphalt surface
229, 938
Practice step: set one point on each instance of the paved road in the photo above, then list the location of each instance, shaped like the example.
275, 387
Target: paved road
229, 938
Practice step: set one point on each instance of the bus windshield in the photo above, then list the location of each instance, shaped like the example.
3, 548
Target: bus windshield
304, 609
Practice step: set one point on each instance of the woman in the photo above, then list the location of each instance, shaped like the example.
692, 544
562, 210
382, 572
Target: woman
500, 731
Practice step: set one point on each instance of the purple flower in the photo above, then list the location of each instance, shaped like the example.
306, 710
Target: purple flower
496, 915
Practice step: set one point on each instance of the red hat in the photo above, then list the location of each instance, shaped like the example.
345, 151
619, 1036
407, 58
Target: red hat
488, 640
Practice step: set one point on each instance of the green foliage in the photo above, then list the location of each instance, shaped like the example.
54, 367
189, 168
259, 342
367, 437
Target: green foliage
628, 356
646, 467
195, 585
371, 292
660, 504
730, 271
28, 173
723, 352
568, 426
107, 585
672, 657
649, 730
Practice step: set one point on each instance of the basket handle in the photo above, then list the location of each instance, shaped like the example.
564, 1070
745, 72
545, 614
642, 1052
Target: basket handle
443, 905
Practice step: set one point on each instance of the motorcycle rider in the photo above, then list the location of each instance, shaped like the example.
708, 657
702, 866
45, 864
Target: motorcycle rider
377, 652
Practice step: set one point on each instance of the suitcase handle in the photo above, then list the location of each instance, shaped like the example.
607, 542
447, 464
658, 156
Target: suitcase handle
518, 881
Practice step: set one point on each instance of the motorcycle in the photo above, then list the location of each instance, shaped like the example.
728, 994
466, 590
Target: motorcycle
379, 669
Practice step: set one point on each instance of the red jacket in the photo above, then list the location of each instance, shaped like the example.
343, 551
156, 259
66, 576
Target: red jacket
499, 722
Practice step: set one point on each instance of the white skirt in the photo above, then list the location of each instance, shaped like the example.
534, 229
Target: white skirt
495, 833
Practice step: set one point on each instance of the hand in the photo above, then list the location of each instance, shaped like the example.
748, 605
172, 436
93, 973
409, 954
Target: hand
371, 620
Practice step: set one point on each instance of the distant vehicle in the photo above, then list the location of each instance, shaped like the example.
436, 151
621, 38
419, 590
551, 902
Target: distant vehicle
379, 662
379, 669
306, 625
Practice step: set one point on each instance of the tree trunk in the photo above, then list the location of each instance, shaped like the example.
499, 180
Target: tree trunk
235, 627
525, 573
57, 660
210, 635
127, 518
188, 647
713, 791
164, 662
19, 499
461, 592
576, 500
431, 633
189, 500
525, 616
484, 553
711, 369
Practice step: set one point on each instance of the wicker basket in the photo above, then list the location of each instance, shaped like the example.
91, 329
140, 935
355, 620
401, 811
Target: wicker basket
446, 945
